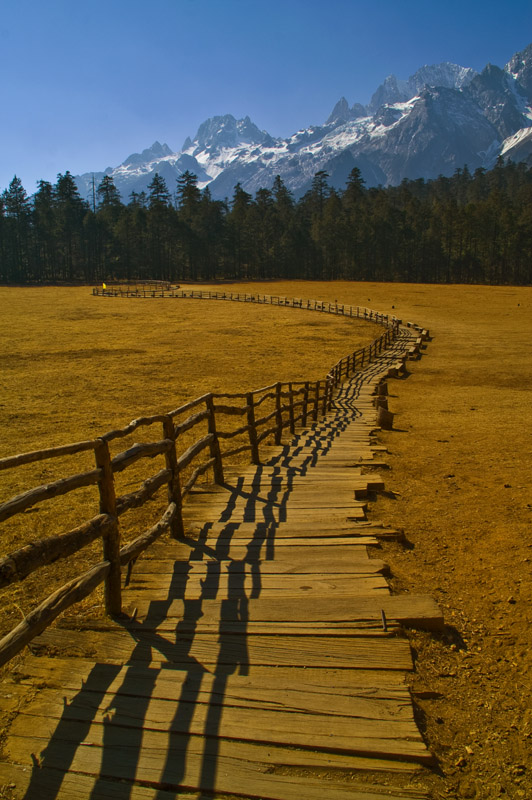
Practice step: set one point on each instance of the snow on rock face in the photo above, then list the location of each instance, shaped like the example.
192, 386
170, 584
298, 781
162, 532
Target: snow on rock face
520, 68
518, 147
450, 76
342, 113
443, 117
442, 132
226, 131
393, 90
501, 99
157, 150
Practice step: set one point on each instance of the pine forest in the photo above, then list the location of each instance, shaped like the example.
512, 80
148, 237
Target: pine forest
469, 228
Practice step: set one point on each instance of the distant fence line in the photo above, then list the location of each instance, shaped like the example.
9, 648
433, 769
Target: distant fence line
289, 403
148, 289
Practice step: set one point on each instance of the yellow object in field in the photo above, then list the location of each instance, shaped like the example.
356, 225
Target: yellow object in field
104, 286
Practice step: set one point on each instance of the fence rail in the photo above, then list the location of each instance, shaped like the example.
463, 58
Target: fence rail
290, 403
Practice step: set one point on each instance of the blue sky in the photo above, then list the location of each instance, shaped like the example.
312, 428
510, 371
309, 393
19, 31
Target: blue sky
84, 84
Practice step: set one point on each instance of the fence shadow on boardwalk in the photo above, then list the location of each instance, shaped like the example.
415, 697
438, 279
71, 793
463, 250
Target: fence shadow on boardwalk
126, 706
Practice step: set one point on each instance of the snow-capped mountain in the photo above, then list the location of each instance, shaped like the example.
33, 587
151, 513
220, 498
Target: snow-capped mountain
394, 90
442, 117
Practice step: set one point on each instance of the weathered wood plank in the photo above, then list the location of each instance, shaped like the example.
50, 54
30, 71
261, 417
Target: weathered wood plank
269, 544
310, 526
74, 671
418, 611
389, 731
231, 650
302, 562
162, 764
251, 586
287, 531
222, 585
274, 700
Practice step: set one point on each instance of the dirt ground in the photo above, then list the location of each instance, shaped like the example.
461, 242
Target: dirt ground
461, 464
460, 485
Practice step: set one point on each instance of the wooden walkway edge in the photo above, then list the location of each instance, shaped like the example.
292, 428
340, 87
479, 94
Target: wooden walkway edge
262, 654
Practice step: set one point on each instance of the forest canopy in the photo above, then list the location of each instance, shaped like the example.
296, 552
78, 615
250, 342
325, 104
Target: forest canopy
469, 228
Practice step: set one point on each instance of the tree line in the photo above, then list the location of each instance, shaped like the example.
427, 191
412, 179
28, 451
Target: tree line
468, 228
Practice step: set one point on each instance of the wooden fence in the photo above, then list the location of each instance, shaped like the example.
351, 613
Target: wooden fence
147, 291
262, 414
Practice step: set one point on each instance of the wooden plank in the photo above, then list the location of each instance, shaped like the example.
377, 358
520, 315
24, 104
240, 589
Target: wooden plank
163, 766
103, 688
269, 476
389, 732
36, 784
418, 611
277, 516
281, 486
352, 549
232, 650
266, 544
288, 531
275, 529
303, 561
231, 586
147, 621
311, 522
72, 671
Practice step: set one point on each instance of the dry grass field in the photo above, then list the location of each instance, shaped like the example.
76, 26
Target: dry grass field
74, 365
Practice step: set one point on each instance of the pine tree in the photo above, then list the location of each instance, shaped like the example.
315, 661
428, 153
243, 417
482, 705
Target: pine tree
44, 225
17, 211
161, 230
70, 212
240, 236
159, 195
108, 194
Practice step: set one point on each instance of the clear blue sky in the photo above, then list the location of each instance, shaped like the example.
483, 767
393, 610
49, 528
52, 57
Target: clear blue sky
84, 84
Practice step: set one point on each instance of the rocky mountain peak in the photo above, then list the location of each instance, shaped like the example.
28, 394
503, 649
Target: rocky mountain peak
342, 113
450, 76
501, 98
391, 91
226, 131
394, 90
520, 68
157, 150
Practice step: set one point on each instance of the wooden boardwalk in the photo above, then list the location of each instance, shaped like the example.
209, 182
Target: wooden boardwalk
261, 656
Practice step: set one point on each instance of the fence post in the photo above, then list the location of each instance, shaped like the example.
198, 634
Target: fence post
174, 484
215, 444
278, 414
305, 405
252, 430
111, 537
325, 392
291, 409
330, 385
316, 402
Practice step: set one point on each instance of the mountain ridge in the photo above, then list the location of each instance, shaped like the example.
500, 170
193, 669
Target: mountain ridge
441, 118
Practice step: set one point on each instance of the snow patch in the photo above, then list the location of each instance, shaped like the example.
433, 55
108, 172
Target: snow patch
519, 137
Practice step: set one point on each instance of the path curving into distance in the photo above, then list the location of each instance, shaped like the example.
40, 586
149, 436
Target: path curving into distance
261, 654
